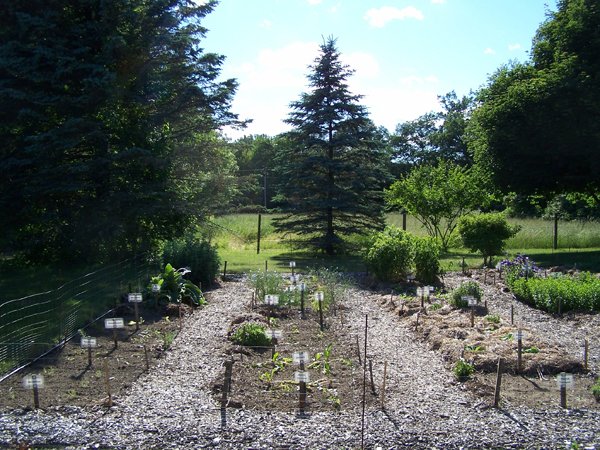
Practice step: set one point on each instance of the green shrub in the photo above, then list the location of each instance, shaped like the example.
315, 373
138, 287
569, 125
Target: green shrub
581, 292
596, 389
427, 259
175, 289
391, 254
331, 282
197, 255
463, 369
251, 334
486, 233
394, 253
266, 282
467, 288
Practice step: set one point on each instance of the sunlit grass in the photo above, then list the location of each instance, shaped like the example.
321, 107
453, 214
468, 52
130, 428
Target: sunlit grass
579, 245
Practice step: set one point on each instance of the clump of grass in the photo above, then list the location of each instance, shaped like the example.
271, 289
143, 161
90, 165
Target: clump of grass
493, 318
462, 369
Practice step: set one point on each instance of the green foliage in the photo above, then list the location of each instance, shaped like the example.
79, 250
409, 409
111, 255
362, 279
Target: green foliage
426, 259
531, 350
332, 163
175, 288
251, 334
516, 132
107, 119
486, 233
579, 293
199, 256
463, 369
493, 318
596, 389
438, 195
331, 282
393, 253
322, 360
467, 288
390, 254
266, 282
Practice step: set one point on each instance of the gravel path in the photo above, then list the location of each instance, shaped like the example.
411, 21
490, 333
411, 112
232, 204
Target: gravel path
172, 406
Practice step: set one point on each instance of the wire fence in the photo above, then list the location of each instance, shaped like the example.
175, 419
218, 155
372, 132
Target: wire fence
36, 323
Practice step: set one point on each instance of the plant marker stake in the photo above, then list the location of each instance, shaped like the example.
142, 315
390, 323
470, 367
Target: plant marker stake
107, 382
364, 393
226, 390
383, 385
135, 298
371, 375
564, 380
494, 277
302, 390
302, 288
512, 314
484, 275
319, 296
292, 265
34, 382
146, 358
585, 353
519, 350
498, 383
358, 350
224, 269
114, 323
472, 316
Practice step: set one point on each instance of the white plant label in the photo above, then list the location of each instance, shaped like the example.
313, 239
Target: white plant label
302, 287
292, 263
156, 288
274, 334
116, 322
88, 342
33, 381
294, 278
300, 357
319, 296
520, 335
134, 297
302, 377
271, 299
472, 301
564, 380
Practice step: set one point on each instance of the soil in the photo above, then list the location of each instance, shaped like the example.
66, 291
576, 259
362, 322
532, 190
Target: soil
336, 381
68, 377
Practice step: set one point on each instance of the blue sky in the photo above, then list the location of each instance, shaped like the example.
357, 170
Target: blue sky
404, 53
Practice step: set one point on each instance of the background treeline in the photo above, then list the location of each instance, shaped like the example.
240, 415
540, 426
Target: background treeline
110, 111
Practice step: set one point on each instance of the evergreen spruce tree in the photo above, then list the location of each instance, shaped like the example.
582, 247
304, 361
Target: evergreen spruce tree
333, 163
102, 104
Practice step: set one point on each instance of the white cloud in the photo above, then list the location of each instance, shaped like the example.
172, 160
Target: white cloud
513, 47
489, 51
379, 17
266, 23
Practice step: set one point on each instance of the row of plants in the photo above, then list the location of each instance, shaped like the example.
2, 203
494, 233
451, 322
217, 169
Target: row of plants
559, 292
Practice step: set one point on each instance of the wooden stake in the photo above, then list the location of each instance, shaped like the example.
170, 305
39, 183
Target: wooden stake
563, 397
225, 392
358, 351
302, 390
320, 313
512, 314
585, 353
371, 375
224, 269
498, 383
146, 358
115, 337
519, 353
472, 316
36, 397
258, 235
89, 356
383, 385
107, 383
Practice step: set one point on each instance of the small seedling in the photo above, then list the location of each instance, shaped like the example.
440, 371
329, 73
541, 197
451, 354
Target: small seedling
493, 318
435, 306
463, 370
532, 349
475, 348
507, 337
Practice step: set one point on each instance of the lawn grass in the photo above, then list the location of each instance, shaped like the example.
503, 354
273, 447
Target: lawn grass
579, 246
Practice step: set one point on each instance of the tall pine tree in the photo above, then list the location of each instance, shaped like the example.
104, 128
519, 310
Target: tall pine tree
102, 104
334, 161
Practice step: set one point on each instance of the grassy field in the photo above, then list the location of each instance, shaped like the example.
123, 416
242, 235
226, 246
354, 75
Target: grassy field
579, 245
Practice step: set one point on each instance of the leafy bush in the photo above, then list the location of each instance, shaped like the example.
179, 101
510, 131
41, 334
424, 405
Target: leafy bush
427, 259
463, 369
467, 288
266, 282
199, 256
519, 267
394, 253
596, 389
581, 292
391, 254
175, 288
331, 282
251, 334
486, 233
